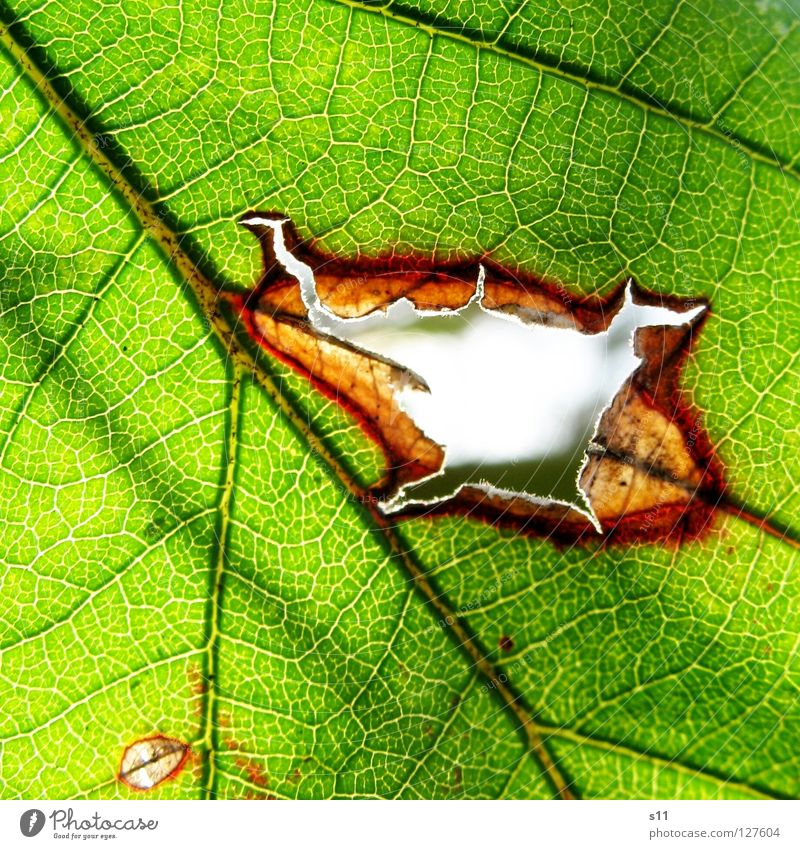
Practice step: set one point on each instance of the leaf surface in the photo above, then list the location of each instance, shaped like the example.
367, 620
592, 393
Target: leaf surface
184, 550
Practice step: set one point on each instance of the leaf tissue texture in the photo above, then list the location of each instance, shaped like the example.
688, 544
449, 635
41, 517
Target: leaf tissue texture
190, 550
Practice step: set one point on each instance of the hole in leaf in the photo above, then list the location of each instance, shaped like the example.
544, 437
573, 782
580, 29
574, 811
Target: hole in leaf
151, 761
494, 393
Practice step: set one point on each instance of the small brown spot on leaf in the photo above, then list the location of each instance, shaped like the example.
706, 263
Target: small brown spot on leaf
505, 643
151, 761
254, 772
197, 681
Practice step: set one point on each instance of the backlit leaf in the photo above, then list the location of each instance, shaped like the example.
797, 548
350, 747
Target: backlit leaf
187, 551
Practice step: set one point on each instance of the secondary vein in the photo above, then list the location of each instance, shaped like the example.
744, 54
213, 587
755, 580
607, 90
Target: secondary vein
214, 608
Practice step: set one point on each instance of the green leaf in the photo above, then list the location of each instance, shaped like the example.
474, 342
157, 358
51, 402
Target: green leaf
183, 547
